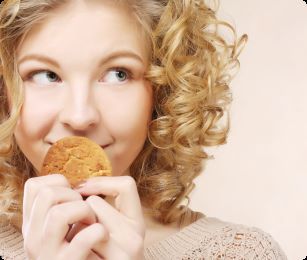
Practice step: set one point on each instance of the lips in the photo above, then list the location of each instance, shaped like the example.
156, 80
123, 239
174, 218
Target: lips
102, 146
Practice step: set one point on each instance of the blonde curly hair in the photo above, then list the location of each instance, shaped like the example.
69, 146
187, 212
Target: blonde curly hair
191, 67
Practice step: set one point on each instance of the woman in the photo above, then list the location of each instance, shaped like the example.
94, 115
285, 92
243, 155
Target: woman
146, 80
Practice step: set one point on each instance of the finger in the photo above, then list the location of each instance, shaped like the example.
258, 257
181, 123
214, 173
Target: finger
107, 215
122, 187
76, 228
58, 220
124, 245
94, 256
45, 199
111, 250
32, 187
86, 240
126, 235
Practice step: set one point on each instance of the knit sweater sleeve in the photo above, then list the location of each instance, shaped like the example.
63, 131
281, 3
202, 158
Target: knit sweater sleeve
206, 238
11, 243
210, 238
235, 241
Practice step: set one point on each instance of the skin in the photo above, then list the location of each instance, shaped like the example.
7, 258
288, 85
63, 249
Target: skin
81, 97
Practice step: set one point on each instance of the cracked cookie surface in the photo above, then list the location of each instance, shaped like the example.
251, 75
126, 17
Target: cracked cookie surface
77, 158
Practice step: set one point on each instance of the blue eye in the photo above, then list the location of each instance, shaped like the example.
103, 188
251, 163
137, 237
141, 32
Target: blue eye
35, 76
117, 75
45, 77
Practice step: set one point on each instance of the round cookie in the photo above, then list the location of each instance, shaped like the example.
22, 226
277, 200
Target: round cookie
77, 158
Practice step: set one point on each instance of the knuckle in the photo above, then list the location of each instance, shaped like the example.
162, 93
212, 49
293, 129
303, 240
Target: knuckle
78, 196
92, 199
36, 183
94, 234
47, 194
61, 178
85, 206
56, 213
32, 184
82, 242
129, 182
56, 219
100, 231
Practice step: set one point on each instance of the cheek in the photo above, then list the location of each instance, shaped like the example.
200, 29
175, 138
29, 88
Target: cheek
127, 119
130, 115
34, 122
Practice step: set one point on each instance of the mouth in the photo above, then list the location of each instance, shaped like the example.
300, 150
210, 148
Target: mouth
102, 146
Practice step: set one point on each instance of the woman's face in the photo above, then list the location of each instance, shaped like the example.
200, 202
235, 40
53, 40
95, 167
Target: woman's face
82, 72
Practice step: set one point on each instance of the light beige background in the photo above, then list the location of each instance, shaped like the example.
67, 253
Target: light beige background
259, 177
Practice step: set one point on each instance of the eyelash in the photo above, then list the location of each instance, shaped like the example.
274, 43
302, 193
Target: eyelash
127, 71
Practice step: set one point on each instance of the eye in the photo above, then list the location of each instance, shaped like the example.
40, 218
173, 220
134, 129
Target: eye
43, 77
117, 75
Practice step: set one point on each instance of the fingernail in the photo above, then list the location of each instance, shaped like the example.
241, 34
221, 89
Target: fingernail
80, 185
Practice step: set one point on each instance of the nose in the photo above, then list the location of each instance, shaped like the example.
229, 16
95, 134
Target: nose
80, 111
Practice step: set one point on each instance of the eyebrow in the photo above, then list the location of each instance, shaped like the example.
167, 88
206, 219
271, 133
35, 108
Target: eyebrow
108, 58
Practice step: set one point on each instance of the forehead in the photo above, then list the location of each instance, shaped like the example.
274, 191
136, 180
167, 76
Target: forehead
85, 28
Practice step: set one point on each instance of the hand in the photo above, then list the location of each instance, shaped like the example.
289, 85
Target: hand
50, 206
124, 222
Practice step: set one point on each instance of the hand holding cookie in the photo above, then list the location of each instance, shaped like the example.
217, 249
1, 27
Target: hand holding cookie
123, 221
51, 207
108, 231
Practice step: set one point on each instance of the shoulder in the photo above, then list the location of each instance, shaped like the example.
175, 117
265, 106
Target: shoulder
226, 240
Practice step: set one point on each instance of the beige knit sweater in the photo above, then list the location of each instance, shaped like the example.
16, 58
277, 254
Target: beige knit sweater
205, 238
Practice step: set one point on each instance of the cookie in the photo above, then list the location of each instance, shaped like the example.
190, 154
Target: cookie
77, 158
